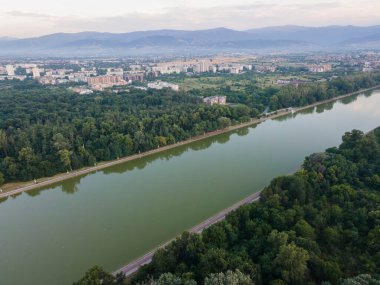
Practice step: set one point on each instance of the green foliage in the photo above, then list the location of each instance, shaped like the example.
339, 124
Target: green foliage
363, 279
97, 276
170, 279
228, 278
1, 179
46, 130
317, 226
292, 261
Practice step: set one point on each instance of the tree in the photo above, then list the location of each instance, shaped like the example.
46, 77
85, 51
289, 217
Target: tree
292, 262
228, 278
3, 142
363, 279
2, 180
97, 276
224, 122
303, 229
65, 155
60, 142
374, 239
170, 279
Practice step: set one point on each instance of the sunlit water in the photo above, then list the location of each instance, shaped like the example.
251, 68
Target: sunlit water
51, 236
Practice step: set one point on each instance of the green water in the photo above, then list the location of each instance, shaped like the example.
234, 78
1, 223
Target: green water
51, 236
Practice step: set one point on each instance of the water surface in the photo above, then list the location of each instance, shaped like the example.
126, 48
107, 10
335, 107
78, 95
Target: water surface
52, 235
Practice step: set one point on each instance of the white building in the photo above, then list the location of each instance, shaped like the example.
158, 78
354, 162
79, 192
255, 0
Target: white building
318, 68
115, 71
202, 66
160, 85
10, 70
36, 73
215, 100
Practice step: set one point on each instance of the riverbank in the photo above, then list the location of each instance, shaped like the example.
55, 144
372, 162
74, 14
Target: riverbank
133, 266
16, 188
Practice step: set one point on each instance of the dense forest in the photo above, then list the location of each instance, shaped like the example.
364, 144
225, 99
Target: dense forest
289, 96
320, 225
48, 130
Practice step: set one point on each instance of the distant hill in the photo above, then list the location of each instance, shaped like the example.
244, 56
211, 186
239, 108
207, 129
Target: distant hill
7, 39
322, 36
368, 41
282, 38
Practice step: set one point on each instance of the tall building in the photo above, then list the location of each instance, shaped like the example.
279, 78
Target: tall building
320, 68
36, 73
100, 82
202, 66
134, 77
215, 100
10, 70
103, 80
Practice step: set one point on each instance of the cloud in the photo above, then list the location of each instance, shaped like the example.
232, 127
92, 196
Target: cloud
238, 16
27, 14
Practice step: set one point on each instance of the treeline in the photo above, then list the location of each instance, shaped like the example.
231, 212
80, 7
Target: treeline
321, 224
291, 96
306, 94
45, 130
48, 130
318, 226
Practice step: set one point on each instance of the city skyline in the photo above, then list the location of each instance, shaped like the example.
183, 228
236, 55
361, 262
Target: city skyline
23, 18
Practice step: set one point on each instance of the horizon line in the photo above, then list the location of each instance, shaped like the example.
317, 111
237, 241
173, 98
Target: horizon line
185, 30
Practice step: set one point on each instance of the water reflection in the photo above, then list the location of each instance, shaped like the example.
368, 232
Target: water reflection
70, 186
323, 107
244, 131
169, 154
350, 99
4, 199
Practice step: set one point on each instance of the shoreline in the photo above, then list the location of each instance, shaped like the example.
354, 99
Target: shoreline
19, 187
130, 268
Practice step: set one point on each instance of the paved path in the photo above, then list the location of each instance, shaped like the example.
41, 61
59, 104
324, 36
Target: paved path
147, 258
48, 181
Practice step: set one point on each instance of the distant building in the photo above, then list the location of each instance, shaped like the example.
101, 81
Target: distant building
101, 82
3, 70
36, 73
166, 69
318, 68
265, 68
82, 91
10, 70
115, 71
234, 70
161, 85
202, 66
134, 77
215, 100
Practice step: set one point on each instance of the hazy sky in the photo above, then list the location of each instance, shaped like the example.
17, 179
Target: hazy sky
24, 18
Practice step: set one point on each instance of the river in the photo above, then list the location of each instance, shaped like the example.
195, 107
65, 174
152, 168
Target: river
110, 217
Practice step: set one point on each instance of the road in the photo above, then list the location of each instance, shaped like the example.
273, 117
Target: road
147, 258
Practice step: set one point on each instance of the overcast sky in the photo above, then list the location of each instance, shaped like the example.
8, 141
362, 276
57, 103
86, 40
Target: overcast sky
25, 18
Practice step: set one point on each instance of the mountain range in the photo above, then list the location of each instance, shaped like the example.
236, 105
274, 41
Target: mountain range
166, 42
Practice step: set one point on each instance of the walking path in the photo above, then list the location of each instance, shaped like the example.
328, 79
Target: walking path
61, 177
147, 258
